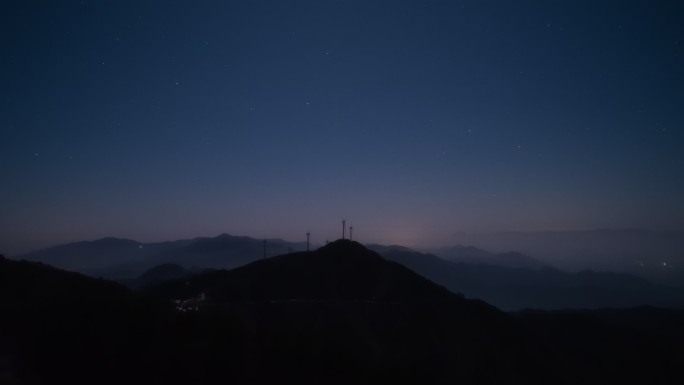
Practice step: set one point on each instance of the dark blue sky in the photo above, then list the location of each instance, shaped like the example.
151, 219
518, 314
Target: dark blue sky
413, 119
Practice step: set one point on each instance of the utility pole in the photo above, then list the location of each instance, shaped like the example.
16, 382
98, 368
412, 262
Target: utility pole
344, 227
307, 241
350, 233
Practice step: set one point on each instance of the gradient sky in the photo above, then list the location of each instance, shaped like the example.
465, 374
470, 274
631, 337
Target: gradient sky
157, 120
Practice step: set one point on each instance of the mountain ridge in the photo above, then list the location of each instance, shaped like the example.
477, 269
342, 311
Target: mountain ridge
341, 270
546, 288
505, 287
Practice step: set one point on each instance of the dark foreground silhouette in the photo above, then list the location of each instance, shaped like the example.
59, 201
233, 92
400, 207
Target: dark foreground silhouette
340, 314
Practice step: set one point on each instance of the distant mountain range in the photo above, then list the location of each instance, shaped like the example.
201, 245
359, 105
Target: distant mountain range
655, 255
474, 255
510, 280
107, 257
540, 288
122, 258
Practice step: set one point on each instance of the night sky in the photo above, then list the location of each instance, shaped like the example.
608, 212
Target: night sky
414, 120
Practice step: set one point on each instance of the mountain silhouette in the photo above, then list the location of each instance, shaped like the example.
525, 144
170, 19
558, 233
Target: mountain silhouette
121, 259
382, 317
159, 273
107, 257
341, 270
63, 327
474, 255
546, 288
224, 251
505, 287
635, 251
82, 256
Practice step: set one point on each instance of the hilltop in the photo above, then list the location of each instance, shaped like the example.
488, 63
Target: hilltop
341, 270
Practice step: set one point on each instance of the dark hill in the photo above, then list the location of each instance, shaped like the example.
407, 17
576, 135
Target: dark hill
641, 345
59, 327
342, 270
346, 309
363, 320
161, 273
